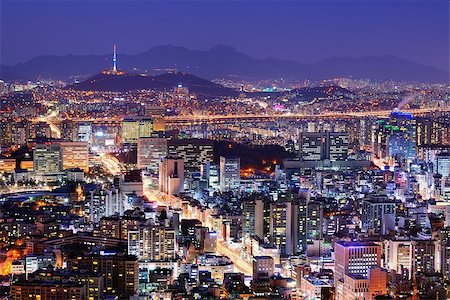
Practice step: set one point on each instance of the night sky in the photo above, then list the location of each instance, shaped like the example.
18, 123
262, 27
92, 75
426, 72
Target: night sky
305, 31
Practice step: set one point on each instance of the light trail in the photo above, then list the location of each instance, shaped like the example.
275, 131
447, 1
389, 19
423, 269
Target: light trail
218, 119
112, 164
222, 247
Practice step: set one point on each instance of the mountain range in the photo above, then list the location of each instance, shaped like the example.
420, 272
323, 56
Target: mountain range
224, 62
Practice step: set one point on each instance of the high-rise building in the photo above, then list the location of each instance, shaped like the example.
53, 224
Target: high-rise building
353, 261
442, 164
194, 152
134, 128
252, 221
47, 159
171, 175
84, 133
396, 137
121, 271
284, 226
150, 151
314, 221
75, 155
152, 242
230, 176
331, 146
378, 215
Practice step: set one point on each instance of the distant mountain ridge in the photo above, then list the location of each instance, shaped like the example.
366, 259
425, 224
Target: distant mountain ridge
225, 61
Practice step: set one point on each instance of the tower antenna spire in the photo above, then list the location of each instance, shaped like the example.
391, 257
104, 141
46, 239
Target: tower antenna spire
115, 59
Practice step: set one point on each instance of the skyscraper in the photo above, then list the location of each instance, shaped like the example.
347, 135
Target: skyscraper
47, 159
230, 176
150, 151
134, 128
171, 175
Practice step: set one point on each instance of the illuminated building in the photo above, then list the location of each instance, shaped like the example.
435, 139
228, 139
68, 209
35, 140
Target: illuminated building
194, 152
314, 221
230, 176
443, 164
171, 175
314, 288
396, 137
103, 202
444, 241
84, 133
121, 271
331, 146
47, 159
41, 130
252, 221
134, 128
7, 165
150, 151
378, 215
283, 226
152, 242
312, 146
353, 260
75, 155
47, 290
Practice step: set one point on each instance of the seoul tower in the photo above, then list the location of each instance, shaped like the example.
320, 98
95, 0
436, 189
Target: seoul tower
115, 60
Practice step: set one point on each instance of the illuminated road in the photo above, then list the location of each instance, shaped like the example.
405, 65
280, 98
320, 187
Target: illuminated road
56, 132
222, 247
235, 255
249, 118
112, 164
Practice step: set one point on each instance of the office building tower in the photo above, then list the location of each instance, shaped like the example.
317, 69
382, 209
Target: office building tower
396, 137
229, 174
134, 128
84, 133
337, 146
153, 242
442, 164
171, 175
284, 226
47, 159
150, 151
194, 152
331, 146
312, 146
314, 221
378, 215
75, 155
252, 221
103, 202
353, 261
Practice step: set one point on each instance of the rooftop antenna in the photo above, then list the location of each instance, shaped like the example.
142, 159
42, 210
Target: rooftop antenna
115, 59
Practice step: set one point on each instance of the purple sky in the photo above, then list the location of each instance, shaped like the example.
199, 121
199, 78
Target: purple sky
301, 30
